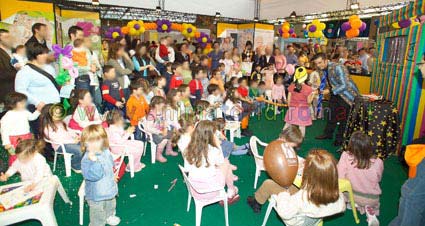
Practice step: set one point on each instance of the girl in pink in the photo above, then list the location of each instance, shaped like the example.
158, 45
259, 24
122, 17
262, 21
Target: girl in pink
278, 91
85, 113
280, 61
300, 96
118, 136
268, 73
364, 170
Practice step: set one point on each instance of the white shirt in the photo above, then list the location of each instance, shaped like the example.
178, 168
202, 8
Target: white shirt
34, 169
183, 143
212, 99
16, 123
230, 109
215, 158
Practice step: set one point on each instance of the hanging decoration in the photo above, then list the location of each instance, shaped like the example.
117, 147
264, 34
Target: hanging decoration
134, 28
188, 30
88, 28
163, 26
113, 32
315, 29
203, 39
414, 21
353, 26
287, 31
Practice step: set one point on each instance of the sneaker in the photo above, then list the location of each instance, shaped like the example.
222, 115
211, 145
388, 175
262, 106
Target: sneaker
113, 220
372, 220
255, 206
231, 200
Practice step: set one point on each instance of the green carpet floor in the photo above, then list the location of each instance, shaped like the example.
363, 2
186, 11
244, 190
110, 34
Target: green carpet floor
159, 207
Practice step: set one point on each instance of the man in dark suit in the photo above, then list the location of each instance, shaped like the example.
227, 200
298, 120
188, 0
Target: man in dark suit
267, 58
39, 35
7, 71
182, 55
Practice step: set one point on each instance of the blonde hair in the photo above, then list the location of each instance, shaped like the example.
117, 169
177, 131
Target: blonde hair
94, 133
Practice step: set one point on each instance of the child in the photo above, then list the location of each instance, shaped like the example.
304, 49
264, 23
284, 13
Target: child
118, 136
203, 110
254, 93
228, 147
15, 125
196, 88
97, 168
19, 58
243, 88
79, 54
172, 112
228, 64
233, 110
177, 78
364, 170
54, 129
159, 84
262, 88
184, 104
205, 81
256, 74
163, 49
221, 68
85, 113
168, 75
186, 72
278, 91
236, 67
314, 83
318, 196
157, 125
206, 165
299, 98
30, 164
137, 106
112, 92
215, 98
216, 79
268, 74
181, 137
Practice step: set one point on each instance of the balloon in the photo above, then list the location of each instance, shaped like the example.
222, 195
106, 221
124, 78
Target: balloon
133, 32
395, 25
286, 35
290, 69
281, 163
137, 26
291, 31
164, 27
115, 34
204, 39
352, 33
353, 17
322, 26
346, 26
356, 24
286, 28
125, 30
312, 28
404, 23
293, 35
131, 23
363, 27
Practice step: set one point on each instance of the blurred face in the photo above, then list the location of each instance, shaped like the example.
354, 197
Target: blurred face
160, 107
6, 40
216, 46
87, 100
169, 41
179, 70
138, 92
123, 42
291, 50
217, 75
21, 51
254, 84
105, 45
78, 35
279, 81
276, 52
110, 75
227, 55
268, 51
42, 58
42, 32
120, 52
235, 51
321, 63
178, 97
21, 105
204, 62
186, 65
243, 83
237, 95
94, 145
142, 51
87, 43
186, 93
162, 82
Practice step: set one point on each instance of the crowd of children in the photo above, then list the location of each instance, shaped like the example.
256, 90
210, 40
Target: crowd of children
188, 107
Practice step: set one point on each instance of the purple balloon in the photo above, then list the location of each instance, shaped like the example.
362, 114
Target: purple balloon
108, 34
291, 31
346, 26
312, 28
363, 27
117, 29
280, 31
404, 23
137, 26
189, 30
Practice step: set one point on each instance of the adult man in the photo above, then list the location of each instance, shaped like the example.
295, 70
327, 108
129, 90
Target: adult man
291, 57
75, 32
215, 55
39, 35
267, 58
342, 91
7, 71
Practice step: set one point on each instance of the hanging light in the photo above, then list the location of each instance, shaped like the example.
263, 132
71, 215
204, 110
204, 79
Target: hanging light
95, 2
217, 14
256, 19
293, 14
158, 9
355, 5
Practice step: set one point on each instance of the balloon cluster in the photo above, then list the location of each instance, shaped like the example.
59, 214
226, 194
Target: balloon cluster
353, 26
203, 39
414, 21
315, 29
88, 28
150, 26
163, 26
113, 32
67, 69
133, 28
287, 31
188, 30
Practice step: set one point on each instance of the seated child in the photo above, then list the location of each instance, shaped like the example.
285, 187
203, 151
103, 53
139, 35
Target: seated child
118, 136
256, 74
233, 110
168, 75
236, 67
209, 169
181, 137
85, 113
19, 57
254, 93
30, 164
54, 129
15, 125
196, 89
101, 185
186, 72
364, 170
222, 69
216, 79
172, 111
215, 98
158, 87
184, 103
137, 106
157, 126
112, 92
203, 110
292, 138
177, 78
228, 147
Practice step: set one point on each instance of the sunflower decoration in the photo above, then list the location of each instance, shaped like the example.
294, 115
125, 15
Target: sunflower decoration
188, 30
163, 26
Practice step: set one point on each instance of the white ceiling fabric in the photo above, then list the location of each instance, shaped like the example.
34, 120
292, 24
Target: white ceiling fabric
272, 9
243, 9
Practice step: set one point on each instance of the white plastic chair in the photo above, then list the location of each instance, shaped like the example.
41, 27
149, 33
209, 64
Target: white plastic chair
82, 191
149, 139
259, 165
128, 155
67, 157
234, 128
199, 204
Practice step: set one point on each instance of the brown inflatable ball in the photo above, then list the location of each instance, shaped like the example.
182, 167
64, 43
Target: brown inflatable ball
281, 163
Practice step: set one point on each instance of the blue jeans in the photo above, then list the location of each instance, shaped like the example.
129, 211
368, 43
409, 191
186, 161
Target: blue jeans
97, 97
411, 210
75, 150
109, 107
82, 82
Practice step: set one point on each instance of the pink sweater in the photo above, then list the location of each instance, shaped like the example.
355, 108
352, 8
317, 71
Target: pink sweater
278, 92
365, 181
60, 135
117, 135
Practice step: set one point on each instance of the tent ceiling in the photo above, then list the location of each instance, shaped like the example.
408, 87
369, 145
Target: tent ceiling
272, 9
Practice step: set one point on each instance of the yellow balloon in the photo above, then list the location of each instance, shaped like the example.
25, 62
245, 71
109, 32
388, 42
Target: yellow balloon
322, 26
164, 27
204, 39
356, 24
115, 34
133, 32
395, 25
353, 17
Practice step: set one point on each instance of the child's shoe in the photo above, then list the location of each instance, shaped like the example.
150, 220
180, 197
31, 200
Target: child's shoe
113, 220
255, 206
171, 152
372, 220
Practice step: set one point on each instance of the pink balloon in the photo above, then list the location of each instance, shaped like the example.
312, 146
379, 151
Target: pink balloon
73, 72
67, 63
290, 69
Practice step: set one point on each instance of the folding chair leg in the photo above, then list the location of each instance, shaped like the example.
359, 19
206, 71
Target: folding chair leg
81, 209
189, 198
153, 152
131, 165
55, 157
67, 158
272, 203
198, 215
226, 213
257, 174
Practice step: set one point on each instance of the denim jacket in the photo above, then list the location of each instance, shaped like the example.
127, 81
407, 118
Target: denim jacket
99, 177
341, 83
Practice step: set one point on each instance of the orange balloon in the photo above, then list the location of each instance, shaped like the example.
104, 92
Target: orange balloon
353, 17
356, 24
197, 34
125, 30
281, 163
352, 33
286, 35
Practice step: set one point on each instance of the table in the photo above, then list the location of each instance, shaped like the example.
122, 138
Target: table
41, 211
379, 120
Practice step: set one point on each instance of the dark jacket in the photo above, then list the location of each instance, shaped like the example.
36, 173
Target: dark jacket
263, 61
7, 75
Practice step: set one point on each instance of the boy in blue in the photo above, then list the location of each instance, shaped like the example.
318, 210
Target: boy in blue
97, 169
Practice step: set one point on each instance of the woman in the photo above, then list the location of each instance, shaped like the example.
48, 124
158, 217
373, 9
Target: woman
182, 54
119, 59
141, 62
235, 52
248, 54
280, 61
36, 81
